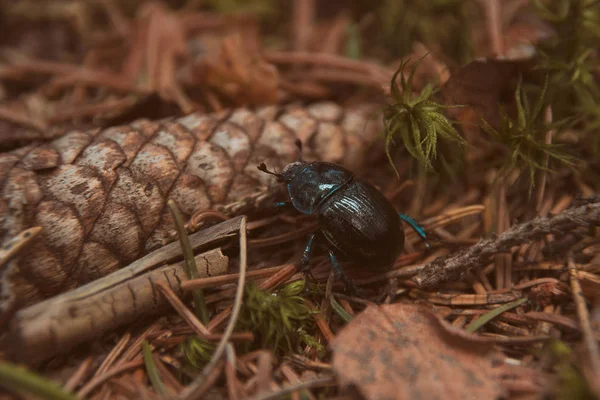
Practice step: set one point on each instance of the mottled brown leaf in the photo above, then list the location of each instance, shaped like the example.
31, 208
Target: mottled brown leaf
238, 72
403, 351
484, 86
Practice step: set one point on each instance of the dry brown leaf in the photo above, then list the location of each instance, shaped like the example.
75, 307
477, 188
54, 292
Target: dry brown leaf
240, 73
590, 283
404, 351
483, 86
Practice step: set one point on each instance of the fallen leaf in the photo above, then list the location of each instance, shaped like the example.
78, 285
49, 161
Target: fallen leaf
239, 72
590, 284
484, 86
404, 351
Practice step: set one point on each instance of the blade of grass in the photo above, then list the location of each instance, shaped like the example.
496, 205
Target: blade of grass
487, 317
20, 380
337, 307
152, 371
195, 389
190, 262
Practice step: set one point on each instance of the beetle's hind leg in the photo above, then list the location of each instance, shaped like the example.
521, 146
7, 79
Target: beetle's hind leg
339, 272
415, 227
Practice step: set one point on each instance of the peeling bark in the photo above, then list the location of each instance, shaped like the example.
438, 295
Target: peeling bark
58, 324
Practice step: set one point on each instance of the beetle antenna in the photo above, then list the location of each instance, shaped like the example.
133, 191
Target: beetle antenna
263, 167
299, 144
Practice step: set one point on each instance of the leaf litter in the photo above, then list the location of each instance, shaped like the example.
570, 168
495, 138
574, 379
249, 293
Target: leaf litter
402, 351
521, 271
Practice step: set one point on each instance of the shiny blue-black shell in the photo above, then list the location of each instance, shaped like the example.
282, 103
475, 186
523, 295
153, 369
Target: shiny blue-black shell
355, 217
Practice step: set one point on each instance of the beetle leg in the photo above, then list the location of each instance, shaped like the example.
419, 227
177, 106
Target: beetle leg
339, 272
281, 204
305, 260
416, 227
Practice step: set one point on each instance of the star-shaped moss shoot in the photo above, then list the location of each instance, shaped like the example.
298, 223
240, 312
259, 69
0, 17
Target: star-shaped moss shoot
418, 121
524, 136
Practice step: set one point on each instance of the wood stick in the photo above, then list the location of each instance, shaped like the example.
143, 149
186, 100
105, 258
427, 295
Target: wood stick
56, 325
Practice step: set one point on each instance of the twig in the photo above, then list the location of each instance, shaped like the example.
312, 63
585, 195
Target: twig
321, 322
94, 383
264, 371
303, 14
73, 381
183, 311
215, 281
192, 390
446, 218
80, 74
114, 354
375, 71
57, 324
313, 383
230, 370
105, 108
584, 319
455, 266
23, 119
494, 25
558, 320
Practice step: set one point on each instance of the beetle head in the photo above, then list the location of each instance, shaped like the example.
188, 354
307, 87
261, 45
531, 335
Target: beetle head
290, 170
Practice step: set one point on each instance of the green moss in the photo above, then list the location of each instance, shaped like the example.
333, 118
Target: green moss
571, 383
571, 60
417, 121
281, 321
197, 351
524, 136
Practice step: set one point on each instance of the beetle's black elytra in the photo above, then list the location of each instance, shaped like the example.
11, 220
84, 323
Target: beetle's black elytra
357, 220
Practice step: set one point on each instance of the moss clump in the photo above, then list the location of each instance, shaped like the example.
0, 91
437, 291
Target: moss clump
280, 320
571, 384
417, 120
197, 351
524, 136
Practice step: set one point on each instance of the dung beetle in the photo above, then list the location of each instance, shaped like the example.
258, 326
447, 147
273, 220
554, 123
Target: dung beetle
355, 218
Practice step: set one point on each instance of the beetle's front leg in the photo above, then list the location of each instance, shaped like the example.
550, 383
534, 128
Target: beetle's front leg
339, 272
305, 260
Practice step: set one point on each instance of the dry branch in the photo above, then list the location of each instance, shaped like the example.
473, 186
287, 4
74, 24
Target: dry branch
455, 266
57, 324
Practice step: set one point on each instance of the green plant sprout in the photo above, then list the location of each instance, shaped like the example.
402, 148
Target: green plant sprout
571, 59
281, 320
197, 351
417, 120
524, 136
571, 384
